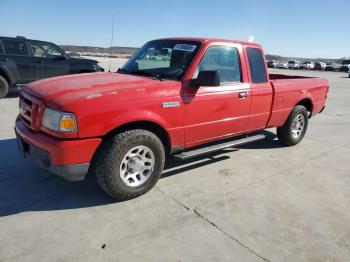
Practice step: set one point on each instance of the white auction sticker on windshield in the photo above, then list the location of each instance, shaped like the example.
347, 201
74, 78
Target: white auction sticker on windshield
184, 47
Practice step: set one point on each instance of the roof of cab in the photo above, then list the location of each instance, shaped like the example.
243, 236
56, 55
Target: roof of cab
213, 40
21, 38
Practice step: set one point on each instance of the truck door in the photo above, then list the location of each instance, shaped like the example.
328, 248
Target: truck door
50, 59
215, 112
19, 61
262, 92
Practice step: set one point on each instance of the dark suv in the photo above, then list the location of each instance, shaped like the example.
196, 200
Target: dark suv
23, 60
345, 66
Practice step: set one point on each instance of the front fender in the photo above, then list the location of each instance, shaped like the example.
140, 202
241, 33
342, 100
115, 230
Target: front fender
137, 116
97, 123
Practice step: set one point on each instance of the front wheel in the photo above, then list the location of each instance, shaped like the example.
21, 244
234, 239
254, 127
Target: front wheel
130, 163
293, 131
4, 87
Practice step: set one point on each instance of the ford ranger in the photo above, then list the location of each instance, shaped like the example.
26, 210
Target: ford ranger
176, 97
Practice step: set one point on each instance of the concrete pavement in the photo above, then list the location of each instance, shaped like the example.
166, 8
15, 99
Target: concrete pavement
261, 203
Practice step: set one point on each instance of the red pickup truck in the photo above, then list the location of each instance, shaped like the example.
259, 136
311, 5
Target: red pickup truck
179, 97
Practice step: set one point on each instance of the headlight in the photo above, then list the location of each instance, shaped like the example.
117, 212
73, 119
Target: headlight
59, 121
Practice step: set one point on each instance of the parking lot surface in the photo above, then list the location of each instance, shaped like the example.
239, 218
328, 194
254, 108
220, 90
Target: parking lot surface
261, 203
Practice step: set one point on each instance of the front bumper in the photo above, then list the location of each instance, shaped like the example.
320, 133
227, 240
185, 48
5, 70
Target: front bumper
69, 159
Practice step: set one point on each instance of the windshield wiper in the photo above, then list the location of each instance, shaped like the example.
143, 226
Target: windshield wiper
141, 73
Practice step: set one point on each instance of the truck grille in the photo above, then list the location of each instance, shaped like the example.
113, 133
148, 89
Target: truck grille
30, 110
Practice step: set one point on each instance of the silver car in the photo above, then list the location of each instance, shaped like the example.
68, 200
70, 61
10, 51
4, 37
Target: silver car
294, 64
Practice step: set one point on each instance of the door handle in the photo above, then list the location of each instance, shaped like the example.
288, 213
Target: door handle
38, 61
242, 95
4, 59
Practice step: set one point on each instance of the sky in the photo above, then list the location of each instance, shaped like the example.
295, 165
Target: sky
290, 28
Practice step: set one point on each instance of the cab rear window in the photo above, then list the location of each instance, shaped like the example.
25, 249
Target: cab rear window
257, 65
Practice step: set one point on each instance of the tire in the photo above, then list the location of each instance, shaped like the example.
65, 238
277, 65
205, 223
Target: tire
117, 159
4, 87
289, 134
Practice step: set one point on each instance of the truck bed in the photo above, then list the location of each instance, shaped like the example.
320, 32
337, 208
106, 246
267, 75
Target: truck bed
289, 90
281, 77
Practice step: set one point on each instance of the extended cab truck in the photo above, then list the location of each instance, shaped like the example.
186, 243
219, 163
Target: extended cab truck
121, 126
24, 60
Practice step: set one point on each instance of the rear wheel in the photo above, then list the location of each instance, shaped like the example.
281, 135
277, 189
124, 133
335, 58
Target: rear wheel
130, 163
4, 87
293, 131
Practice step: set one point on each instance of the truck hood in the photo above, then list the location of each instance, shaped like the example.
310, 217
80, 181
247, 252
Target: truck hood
99, 88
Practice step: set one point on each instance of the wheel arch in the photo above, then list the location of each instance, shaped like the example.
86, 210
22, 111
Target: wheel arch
148, 125
5, 75
307, 103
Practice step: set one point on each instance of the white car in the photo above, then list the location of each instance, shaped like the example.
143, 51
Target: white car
282, 65
308, 65
294, 64
333, 67
320, 66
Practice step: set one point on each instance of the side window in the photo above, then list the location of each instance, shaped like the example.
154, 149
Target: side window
14, 47
44, 50
223, 59
257, 65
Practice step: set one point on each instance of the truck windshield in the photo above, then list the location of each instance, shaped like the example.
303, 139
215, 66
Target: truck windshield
168, 59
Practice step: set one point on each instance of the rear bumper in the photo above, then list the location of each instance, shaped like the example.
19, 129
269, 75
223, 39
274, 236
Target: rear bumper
69, 159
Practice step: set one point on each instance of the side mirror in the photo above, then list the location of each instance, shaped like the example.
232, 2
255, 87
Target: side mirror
207, 78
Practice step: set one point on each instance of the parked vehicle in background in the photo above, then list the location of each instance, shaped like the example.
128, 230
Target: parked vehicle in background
122, 126
24, 60
333, 67
294, 64
345, 67
282, 65
320, 66
303, 65
271, 64
307, 65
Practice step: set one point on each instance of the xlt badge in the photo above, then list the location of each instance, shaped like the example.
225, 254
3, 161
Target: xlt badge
170, 104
